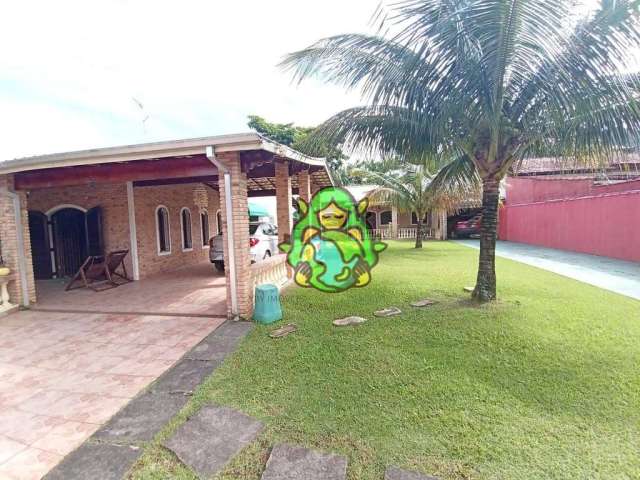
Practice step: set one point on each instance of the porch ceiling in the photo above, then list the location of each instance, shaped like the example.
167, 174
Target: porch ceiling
157, 168
258, 165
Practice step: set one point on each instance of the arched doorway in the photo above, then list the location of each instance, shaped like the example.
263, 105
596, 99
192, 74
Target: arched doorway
62, 239
70, 240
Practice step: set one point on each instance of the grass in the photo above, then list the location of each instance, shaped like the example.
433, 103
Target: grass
543, 384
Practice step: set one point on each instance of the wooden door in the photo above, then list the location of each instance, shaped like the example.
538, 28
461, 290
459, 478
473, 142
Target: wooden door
40, 247
95, 243
70, 240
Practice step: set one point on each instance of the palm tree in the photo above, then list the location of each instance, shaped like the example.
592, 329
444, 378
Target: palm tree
412, 190
491, 81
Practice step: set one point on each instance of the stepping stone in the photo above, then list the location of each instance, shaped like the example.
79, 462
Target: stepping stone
387, 312
213, 436
291, 462
283, 331
353, 320
93, 461
423, 303
395, 473
142, 418
469, 289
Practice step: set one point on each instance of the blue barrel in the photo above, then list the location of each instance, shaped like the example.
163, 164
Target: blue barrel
267, 306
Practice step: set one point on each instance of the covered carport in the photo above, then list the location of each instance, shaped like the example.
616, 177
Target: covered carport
204, 180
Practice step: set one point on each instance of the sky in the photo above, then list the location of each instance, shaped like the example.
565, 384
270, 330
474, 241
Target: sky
78, 74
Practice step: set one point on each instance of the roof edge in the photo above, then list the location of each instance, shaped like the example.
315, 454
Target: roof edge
162, 149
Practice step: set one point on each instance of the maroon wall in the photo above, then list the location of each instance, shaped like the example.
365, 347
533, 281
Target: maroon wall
574, 215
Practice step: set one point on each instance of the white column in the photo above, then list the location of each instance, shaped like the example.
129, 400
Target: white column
394, 221
133, 235
435, 224
443, 220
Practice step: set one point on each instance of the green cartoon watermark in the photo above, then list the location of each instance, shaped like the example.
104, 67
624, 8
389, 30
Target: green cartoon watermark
331, 249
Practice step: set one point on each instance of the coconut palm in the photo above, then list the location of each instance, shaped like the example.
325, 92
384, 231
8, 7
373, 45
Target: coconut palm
492, 81
412, 189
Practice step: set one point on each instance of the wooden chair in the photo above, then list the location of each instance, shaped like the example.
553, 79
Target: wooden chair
99, 273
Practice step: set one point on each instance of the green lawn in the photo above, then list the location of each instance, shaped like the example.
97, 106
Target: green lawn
545, 384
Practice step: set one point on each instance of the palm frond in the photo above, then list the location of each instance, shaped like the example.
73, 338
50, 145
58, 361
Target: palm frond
384, 131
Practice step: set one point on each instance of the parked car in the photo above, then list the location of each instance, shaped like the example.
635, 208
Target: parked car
468, 227
263, 242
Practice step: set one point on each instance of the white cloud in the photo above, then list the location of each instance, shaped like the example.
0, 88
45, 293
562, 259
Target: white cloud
72, 69
69, 69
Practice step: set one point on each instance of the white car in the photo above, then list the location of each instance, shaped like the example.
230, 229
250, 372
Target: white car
263, 242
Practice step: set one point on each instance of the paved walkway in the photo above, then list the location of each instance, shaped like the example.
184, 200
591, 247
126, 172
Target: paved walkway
63, 375
112, 450
608, 273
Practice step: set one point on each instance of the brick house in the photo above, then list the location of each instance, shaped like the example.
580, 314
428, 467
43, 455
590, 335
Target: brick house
161, 201
387, 222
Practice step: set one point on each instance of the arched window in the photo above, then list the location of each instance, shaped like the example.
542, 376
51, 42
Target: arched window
204, 227
219, 222
163, 230
385, 217
185, 223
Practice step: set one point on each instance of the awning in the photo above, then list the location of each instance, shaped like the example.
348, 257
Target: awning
256, 210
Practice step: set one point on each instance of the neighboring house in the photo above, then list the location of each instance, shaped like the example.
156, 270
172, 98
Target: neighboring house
161, 201
386, 221
572, 207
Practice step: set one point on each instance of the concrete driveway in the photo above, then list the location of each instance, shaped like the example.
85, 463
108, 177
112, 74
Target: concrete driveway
62, 375
608, 273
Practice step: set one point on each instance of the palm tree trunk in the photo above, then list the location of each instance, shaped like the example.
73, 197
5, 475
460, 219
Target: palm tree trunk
485, 290
419, 234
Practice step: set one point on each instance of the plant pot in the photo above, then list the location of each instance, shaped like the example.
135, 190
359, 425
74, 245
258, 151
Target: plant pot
4, 271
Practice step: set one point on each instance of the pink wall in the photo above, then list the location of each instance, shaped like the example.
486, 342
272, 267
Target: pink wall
574, 215
537, 189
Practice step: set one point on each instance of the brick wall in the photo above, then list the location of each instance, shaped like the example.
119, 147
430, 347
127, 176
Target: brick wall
111, 197
174, 197
113, 200
283, 200
304, 185
9, 241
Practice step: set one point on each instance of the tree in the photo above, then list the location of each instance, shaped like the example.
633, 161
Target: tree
491, 81
296, 138
412, 189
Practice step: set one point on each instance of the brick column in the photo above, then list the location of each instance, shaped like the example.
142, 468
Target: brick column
9, 241
240, 208
304, 185
283, 200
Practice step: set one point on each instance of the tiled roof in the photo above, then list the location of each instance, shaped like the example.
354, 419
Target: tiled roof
546, 165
